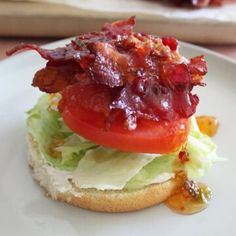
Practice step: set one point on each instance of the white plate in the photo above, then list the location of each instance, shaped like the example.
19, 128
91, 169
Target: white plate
24, 210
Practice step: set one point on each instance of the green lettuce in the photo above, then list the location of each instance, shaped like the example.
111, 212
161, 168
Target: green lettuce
160, 165
202, 152
54, 137
105, 168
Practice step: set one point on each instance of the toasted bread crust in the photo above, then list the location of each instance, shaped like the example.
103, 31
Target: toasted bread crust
103, 201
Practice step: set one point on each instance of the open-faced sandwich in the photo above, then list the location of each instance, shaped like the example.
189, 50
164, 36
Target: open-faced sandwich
115, 130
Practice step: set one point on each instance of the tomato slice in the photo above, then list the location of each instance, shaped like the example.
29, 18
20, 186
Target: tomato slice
84, 109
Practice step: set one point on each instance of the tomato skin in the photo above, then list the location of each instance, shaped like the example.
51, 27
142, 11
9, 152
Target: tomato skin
84, 110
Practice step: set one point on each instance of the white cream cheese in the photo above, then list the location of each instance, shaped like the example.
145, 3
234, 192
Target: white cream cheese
54, 180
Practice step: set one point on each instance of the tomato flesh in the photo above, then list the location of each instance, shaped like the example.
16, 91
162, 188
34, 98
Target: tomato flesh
148, 137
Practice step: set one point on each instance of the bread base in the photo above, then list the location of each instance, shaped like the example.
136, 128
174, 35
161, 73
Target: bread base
97, 200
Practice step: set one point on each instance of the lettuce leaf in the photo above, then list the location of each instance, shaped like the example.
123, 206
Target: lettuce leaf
159, 166
104, 168
59, 145
202, 152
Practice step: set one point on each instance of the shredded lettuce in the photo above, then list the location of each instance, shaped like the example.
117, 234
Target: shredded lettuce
99, 167
160, 165
104, 168
60, 146
202, 152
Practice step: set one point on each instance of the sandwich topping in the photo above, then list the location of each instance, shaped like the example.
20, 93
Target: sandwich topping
137, 76
116, 81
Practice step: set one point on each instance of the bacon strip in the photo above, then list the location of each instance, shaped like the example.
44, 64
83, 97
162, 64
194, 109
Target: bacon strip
60, 54
56, 76
148, 76
124, 27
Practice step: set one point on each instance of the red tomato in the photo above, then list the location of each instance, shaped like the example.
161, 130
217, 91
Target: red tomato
84, 109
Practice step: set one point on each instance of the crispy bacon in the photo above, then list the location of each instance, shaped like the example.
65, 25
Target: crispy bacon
66, 53
148, 76
109, 66
56, 76
119, 27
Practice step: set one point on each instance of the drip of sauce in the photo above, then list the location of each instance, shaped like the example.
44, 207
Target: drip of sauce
208, 125
190, 198
51, 147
